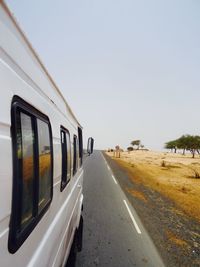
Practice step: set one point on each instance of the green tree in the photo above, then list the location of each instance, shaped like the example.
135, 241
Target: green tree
182, 143
193, 144
172, 145
186, 142
136, 143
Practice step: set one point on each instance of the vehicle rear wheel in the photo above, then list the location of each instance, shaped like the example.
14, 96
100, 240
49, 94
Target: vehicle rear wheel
76, 245
79, 236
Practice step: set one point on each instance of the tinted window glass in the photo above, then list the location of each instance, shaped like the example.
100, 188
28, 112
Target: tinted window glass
75, 155
25, 154
44, 163
64, 159
66, 164
68, 157
32, 170
80, 139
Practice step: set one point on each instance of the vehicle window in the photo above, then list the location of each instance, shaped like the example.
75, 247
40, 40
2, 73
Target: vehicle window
66, 158
44, 163
80, 139
32, 170
25, 156
75, 155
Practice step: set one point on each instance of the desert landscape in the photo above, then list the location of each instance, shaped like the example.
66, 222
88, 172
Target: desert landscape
172, 174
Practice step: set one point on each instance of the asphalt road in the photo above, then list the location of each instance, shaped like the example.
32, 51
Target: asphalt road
113, 234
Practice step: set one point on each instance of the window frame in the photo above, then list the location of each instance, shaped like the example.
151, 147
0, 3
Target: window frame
16, 236
80, 143
75, 167
63, 185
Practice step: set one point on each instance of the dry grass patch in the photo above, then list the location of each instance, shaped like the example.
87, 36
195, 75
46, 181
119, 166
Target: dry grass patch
137, 194
175, 239
175, 179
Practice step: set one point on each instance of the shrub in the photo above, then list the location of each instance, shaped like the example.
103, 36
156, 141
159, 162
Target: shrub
196, 174
163, 164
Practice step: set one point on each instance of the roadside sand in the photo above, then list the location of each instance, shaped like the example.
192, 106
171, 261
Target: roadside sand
172, 175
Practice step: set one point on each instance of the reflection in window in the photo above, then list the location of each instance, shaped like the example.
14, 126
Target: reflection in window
32, 170
25, 154
66, 158
44, 164
75, 155
80, 139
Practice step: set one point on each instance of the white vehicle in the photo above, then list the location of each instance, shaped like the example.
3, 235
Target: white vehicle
41, 157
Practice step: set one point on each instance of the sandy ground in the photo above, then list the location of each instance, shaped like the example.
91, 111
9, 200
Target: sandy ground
173, 175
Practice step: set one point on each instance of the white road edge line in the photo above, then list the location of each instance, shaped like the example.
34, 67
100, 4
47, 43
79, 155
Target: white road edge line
110, 170
103, 157
114, 179
132, 218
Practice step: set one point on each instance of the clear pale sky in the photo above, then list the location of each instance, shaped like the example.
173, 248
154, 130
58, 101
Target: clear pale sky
128, 69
